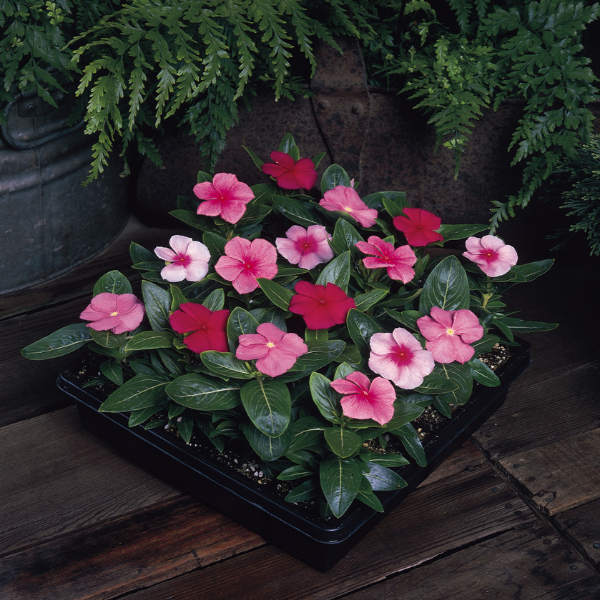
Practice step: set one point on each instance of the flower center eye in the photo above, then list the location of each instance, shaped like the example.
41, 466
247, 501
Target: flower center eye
321, 301
450, 331
114, 314
270, 345
347, 209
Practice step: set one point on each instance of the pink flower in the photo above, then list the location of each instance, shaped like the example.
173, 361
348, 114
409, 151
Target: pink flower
188, 259
225, 196
449, 333
398, 262
207, 328
291, 174
491, 255
305, 247
366, 400
419, 226
321, 306
347, 200
275, 350
245, 261
399, 357
114, 312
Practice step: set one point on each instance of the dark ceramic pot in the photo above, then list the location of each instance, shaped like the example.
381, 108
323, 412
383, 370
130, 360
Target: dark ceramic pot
318, 543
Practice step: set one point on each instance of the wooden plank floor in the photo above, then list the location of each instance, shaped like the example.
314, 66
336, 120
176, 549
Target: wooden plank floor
513, 514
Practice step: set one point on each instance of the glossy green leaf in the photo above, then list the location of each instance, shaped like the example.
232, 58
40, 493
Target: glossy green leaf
299, 212
340, 481
325, 397
113, 282
267, 447
113, 371
412, 443
240, 322
215, 300
139, 254
319, 354
108, 339
526, 272
150, 340
460, 376
333, 176
203, 393
460, 232
185, 427
343, 442
61, 342
389, 460
158, 304
141, 391
446, 287
192, 219
215, 244
345, 237
307, 433
276, 293
337, 272
226, 364
383, 479
268, 405
365, 301
483, 374
307, 490
366, 496
361, 328
520, 326
294, 472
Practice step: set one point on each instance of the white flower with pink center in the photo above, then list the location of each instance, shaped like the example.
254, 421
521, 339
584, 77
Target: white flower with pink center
399, 357
188, 259
306, 248
491, 255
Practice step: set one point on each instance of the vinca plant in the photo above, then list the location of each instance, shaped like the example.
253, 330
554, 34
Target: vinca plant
304, 326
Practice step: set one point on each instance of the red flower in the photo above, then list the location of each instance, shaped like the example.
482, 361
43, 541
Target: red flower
291, 174
321, 306
419, 226
207, 328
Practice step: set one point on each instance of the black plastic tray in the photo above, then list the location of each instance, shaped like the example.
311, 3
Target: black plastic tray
317, 543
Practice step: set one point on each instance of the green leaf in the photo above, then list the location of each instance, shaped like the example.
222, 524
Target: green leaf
299, 212
361, 328
345, 237
215, 300
383, 479
319, 354
113, 282
226, 364
366, 496
340, 481
412, 443
343, 442
520, 326
307, 432
277, 294
333, 176
185, 427
108, 339
307, 490
203, 393
139, 254
215, 244
483, 374
240, 322
460, 232
113, 371
446, 287
141, 391
460, 376
192, 219
268, 404
525, 273
158, 304
150, 340
61, 342
389, 460
325, 397
294, 472
267, 447
365, 301
337, 271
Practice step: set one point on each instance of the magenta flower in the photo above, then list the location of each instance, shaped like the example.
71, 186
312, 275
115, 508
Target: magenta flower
399, 357
321, 306
114, 312
188, 259
275, 350
291, 174
449, 333
491, 255
419, 226
398, 262
346, 199
207, 328
366, 400
245, 261
225, 197
306, 248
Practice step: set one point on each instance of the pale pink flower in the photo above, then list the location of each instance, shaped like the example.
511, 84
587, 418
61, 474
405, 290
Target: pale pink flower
188, 259
114, 312
275, 350
345, 199
449, 333
399, 357
306, 248
366, 400
245, 261
398, 262
225, 197
491, 255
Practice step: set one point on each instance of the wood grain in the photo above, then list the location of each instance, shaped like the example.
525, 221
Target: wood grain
581, 527
559, 476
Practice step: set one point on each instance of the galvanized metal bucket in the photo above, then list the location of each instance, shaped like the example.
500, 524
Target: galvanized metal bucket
49, 222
